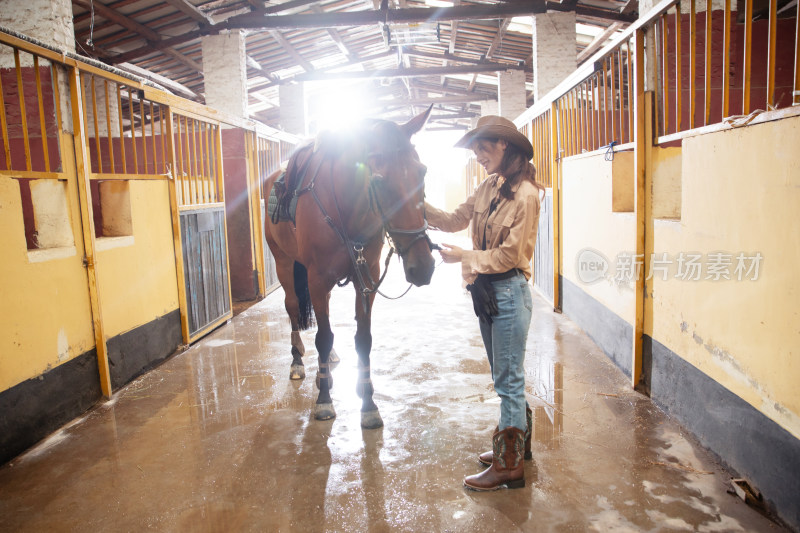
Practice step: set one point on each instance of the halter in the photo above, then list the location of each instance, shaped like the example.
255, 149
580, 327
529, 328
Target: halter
419, 233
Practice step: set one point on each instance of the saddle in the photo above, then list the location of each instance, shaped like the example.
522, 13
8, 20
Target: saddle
282, 202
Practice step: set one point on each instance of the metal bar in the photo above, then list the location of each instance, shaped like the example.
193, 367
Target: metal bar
707, 63
143, 119
153, 137
191, 145
180, 174
165, 161
82, 165
23, 113
621, 96
692, 61
96, 125
176, 228
748, 48
4, 127
133, 131
630, 89
641, 137
121, 129
771, 50
573, 145
585, 107
593, 89
108, 127
678, 81
218, 167
554, 166
796, 92
665, 73
726, 59
42, 126
212, 190
605, 104
613, 99
56, 100
118, 176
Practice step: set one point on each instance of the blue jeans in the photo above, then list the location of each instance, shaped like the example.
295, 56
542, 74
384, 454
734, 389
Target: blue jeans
505, 340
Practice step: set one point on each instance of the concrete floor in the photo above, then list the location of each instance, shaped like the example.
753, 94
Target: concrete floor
219, 439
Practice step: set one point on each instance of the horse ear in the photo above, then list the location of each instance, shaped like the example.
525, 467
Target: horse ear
415, 124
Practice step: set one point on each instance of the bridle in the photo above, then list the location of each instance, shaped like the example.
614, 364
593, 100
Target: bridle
416, 234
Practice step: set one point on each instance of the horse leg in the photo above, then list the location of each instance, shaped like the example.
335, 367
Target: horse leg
370, 416
284, 266
323, 409
333, 357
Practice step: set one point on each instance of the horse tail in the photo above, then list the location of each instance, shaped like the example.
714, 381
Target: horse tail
306, 318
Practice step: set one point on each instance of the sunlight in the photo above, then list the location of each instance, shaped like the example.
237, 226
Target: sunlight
337, 106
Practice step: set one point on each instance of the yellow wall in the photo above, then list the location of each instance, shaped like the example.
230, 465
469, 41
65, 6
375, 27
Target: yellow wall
45, 316
137, 278
589, 222
740, 193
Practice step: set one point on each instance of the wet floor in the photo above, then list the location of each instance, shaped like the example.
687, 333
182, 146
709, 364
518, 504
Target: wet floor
218, 438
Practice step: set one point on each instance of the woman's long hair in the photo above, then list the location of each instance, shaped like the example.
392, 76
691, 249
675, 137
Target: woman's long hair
515, 167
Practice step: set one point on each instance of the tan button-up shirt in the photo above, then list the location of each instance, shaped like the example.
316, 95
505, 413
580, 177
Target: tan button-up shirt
510, 229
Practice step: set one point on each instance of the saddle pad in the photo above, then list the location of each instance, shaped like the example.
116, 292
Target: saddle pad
284, 215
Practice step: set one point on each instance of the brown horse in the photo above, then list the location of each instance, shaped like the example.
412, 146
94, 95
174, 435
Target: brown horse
351, 190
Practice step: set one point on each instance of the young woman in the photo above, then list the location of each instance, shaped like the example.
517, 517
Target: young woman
503, 216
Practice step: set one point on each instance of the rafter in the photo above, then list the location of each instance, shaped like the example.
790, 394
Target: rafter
291, 50
334, 34
402, 72
369, 18
191, 11
498, 37
119, 18
598, 42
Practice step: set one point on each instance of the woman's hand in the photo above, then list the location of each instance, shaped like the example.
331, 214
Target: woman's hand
451, 253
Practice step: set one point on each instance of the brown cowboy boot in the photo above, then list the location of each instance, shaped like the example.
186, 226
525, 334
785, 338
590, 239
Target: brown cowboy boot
486, 457
507, 465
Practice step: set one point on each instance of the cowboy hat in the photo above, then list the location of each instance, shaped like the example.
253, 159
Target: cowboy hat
497, 127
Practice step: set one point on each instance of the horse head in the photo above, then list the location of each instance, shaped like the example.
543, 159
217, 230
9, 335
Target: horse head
397, 187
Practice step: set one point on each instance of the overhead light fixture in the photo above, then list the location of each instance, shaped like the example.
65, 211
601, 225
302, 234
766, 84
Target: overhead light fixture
411, 34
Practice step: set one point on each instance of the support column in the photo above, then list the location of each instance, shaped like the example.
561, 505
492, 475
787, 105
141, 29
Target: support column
489, 107
49, 21
554, 50
511, 93
225, 72
293, 108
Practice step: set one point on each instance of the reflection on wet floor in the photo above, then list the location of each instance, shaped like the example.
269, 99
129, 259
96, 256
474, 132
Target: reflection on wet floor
219, 439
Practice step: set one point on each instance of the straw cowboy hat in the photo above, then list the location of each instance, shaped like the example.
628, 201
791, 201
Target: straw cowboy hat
496, 127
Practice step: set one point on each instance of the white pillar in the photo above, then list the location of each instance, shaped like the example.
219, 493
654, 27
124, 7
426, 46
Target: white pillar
293, 108
49, 21
490, 107
225, 72
511, 93
554, 50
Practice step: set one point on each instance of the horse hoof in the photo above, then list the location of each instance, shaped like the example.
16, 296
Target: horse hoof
371, 419
324, 411
333, 358
297, 372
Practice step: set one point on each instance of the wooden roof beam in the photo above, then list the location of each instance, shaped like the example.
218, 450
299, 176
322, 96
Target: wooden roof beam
291, 50
402, 72
389, 16
598, 42
191, 11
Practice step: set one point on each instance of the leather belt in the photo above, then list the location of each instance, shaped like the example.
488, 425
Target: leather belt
503, 275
